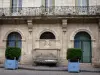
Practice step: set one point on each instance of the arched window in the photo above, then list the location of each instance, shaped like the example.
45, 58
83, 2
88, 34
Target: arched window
82, 40
47, 35
14, 40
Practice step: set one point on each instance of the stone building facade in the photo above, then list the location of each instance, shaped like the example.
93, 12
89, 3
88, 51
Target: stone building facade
50, 27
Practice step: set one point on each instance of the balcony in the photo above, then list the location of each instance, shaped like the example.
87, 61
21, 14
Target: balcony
51, 11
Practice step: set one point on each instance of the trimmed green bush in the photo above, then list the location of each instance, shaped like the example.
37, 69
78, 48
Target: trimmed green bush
12, 53
74, 54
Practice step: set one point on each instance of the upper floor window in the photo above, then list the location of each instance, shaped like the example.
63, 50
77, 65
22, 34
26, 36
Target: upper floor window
48, 3
16, 5
82, 2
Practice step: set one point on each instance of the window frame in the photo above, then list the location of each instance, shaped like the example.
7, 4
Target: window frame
15, 39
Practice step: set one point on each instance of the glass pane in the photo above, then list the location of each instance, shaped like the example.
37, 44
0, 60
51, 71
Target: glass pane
86, 51
19, 44
20, 5
14, 40
18, 37
46, 3
11, 37
77, 44
47, 35
84, 2
79, 2
14, 5
11, 43
82, 36
50, 2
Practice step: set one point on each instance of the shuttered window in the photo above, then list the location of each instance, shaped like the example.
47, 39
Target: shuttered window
48, 3
16, 5
81, 2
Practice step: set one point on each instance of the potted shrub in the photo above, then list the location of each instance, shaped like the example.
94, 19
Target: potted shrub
12, 55
73, 57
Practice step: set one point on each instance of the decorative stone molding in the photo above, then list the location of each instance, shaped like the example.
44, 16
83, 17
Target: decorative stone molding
14, 30
79, 30
99, 25
64, 25
30, 25
47, 30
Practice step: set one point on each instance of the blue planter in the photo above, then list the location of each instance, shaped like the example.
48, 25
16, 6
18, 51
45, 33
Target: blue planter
73, 66
11, 64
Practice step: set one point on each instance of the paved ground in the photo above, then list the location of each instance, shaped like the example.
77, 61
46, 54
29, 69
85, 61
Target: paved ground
33, 72
40, 70
83, 68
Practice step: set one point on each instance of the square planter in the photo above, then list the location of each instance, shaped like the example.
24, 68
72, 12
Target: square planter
11, 64
73, 66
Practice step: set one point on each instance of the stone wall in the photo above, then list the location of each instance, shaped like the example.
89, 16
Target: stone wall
64, 32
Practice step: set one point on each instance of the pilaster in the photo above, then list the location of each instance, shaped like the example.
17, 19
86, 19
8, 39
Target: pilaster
64, 25
96, 59
64, 41
30, 39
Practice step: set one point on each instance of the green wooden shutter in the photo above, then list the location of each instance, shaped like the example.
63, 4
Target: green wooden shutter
11, 5
76, 2
53, 2
43, 2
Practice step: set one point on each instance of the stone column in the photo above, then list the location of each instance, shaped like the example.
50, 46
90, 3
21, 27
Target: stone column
98, 49
0, 35
96, 61
27, 58
64, 41
30, 35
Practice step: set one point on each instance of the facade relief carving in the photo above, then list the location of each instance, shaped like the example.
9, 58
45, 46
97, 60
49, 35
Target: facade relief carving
99, 25
64, 25
30, 25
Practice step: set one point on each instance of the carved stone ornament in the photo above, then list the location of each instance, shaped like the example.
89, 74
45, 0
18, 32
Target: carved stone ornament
64, 25
99, 25
30, 25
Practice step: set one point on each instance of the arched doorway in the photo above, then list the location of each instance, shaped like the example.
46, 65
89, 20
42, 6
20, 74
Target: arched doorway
83, 40
47, 35
14, 40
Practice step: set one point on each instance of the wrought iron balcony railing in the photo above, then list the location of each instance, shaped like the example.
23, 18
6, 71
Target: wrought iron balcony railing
57, 10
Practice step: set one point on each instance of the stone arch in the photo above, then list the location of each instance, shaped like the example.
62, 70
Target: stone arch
82, 40
14, 39
82, 30
47, 35
10, 31
47, 30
